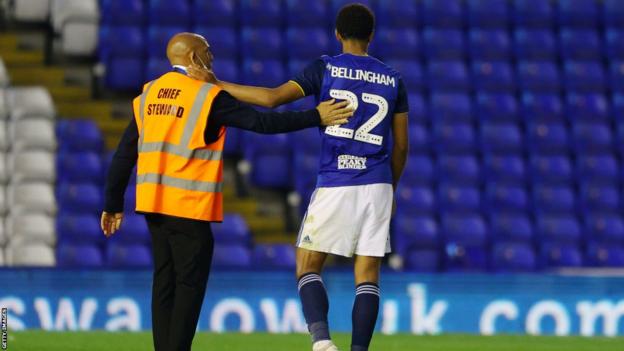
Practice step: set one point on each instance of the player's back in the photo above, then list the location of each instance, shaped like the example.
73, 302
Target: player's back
358, 152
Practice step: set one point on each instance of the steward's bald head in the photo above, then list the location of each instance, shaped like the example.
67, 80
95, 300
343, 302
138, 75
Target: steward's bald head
187, 48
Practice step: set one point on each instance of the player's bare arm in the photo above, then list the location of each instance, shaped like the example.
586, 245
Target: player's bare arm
260, 96
400, 148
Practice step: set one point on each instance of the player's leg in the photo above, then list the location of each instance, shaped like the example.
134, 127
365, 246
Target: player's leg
366, 305
163, 284
372, 245
314, 300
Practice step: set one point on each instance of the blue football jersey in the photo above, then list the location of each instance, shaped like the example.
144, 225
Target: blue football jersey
357, 152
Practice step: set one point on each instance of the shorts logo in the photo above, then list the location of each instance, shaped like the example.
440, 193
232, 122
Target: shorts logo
351, 162
306, 240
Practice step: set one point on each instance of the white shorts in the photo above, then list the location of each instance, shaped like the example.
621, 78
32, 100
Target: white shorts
348, 220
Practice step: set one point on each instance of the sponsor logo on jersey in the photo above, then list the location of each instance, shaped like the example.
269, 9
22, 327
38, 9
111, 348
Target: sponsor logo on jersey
351, 162
358, 74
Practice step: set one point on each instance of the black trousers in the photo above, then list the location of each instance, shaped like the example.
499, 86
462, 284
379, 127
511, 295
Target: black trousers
182, 251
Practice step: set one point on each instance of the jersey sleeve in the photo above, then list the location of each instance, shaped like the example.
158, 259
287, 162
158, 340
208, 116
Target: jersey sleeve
402, 104
311, 78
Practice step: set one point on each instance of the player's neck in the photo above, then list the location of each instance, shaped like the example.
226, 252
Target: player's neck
354, 48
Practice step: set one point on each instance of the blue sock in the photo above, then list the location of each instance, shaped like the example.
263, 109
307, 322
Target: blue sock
364, 316
315, 305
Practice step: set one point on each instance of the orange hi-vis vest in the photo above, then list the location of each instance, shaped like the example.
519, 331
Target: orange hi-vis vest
178, 174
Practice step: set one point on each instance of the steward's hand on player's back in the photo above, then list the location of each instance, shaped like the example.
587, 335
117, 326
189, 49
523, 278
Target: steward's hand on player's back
333, 113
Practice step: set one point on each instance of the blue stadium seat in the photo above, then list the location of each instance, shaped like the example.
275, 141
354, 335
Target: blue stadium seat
217, 13
563, 229
121, 50
505, 198
461, 258
447, 76
263, 72
413, 200
488, 13
546, 137
535, 44
584, 77
457, 198
223, 41
614, 43
458, 169
79, 135
132, 231
618, 106
261, 13
398, 13
598, 168
444, 44
231, 256
501, 138
444, 106
604, 255
580, 44
411, 74
468, 230
306, 43
412, 232
553, 199
130, 196
510, 227
604, 228
273, 256
533, 14
122, 12
616, 78
588, 107
513, 257
336, 5
538, 76
443, 13
158, 37
489, 44
599, 197
79, 198
578, 13
418, 170
493, 76
226, 70
560, 255
508, 169
78, 229
418, 138
592, 137
305, 13
128, 256
270, 158
556, 169
305, 168
233, 230
262, 43
80, 167
613, 13
542, 107
454, 137
401, 44
78, 256
169, 13
156, 67
422, 260
619, 138
417, 109
495, 107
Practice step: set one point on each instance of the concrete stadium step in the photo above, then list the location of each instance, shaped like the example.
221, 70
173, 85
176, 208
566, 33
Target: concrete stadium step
246, 207
22, 58
280, 238
69, 93
8, 42
99, 110
37, 75
262, 225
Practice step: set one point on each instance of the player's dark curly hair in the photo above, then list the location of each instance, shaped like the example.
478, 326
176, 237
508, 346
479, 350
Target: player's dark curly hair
355, 21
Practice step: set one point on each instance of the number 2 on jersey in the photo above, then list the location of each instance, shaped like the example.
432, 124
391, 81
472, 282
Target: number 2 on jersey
362, 133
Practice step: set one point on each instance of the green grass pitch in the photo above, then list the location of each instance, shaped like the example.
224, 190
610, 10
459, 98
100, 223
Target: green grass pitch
105, 341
